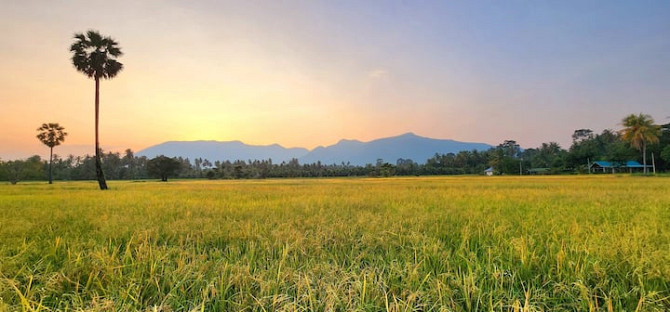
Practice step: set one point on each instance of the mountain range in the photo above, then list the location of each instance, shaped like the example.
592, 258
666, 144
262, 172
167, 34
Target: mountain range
406, 146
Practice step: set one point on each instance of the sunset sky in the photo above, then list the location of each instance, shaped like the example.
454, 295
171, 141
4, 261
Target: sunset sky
309, 73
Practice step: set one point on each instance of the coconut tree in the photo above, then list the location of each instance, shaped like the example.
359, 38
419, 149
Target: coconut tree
51, 134
639, 132
95, 56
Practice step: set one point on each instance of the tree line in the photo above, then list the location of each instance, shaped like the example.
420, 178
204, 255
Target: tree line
506, 158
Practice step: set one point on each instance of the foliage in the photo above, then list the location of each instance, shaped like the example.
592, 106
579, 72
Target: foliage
607, 145
507, 158
665, 155
163, 167
581, 135
15, 171
640, 130
51, 134
587, 243
95, 55
548, 155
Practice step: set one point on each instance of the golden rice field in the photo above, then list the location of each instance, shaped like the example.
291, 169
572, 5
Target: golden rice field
577, 243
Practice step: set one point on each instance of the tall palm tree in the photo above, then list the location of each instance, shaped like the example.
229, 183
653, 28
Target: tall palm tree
640, 130
95, 56
51, 135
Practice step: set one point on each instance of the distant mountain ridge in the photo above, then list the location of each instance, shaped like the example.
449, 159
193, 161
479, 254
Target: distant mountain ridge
406, 146
354, 152
228, 150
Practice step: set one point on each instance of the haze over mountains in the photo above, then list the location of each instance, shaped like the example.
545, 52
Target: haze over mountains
406, 146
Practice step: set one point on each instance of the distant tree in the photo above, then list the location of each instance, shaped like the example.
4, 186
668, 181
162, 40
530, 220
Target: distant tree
95, 56
62, 166
665, 154
33, 168
18, 170
657, 149
3, 171
163, 167
511, 148
639, 132
589, 148
582, 134
386, 170
197, 163
14, 171
112, 165
51, 135
503, 158
406, 167
128, 163
619, 151
238, 171
548, 155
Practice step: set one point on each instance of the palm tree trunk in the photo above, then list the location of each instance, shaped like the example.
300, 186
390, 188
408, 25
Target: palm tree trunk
51, 160
98, 164
644, 157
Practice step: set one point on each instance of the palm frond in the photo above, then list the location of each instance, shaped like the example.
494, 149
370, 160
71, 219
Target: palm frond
80, 37
94, 55
95, 38
114, 51
51, 134
640, 130
112, 68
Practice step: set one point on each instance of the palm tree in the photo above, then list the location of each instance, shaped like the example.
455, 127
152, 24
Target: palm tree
640, 130
95, 56
51, 135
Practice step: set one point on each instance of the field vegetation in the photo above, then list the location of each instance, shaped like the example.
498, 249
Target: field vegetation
565, 243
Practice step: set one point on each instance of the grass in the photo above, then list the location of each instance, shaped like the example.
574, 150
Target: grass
580, 243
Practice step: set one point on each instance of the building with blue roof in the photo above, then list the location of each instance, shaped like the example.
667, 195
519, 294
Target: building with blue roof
614, 166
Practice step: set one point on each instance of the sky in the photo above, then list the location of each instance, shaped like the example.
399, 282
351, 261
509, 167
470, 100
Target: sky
310, 73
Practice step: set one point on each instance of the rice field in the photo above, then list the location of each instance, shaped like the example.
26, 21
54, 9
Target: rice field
568, 243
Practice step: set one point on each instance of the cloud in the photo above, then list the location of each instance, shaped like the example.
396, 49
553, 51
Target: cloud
378, 73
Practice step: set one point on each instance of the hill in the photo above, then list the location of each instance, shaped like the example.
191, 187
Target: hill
406, 146
229, 150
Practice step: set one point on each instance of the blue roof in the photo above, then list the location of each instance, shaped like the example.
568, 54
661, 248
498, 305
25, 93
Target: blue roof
489, 169
609, 164
602, 163
635, 164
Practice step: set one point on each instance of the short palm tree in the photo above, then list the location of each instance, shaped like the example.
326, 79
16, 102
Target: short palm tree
51, 134
639, 132
95, 56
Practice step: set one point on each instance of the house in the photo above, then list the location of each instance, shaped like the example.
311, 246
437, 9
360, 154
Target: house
632, 165
613, 166
489, 171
